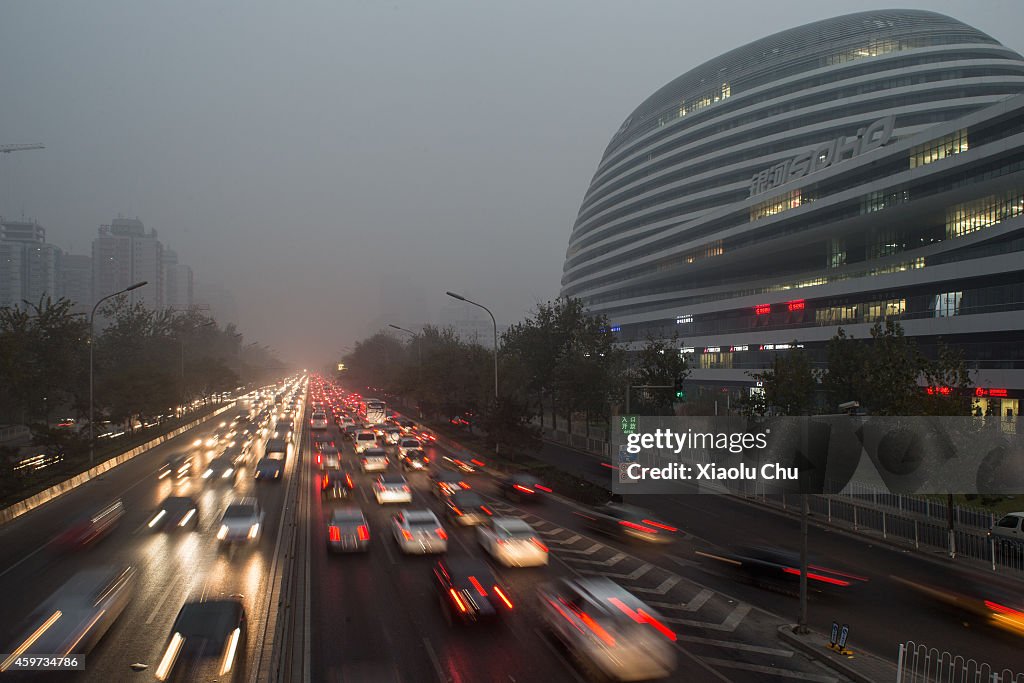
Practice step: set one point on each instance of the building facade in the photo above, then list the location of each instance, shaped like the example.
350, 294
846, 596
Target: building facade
859, 169
123, 254
28, 263
74, 281
178, 282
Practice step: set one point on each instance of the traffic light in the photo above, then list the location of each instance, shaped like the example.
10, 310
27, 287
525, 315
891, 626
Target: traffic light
680, 392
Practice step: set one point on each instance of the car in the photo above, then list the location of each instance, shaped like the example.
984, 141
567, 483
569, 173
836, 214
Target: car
466, 508
345, 421
92, 528
283, 429
364, 439
446, 482
276, 449
336, 487
419, 532
392, 488
520, 487
208, 642
176, 468
269, 469
375, 460
74, 618
973, 599
778, 569
242, 521
318, 420
1009, 529
415, 460
238, 453
348, 530
512, 542
329, 458
468, 591
392, 435
608, 629
406, 444
176, 512
628, 522
349, 431
221, 470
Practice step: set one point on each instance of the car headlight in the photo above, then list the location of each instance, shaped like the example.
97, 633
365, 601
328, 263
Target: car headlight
222, 533
277, 473
207, 474
254, 530
227, 473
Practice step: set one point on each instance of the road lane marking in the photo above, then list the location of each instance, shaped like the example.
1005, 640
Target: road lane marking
736, 646
613, 560
632, 576
589, 551
163, 598
666, 585
558, 655
771, 671
729, 625
441, 676
694, 604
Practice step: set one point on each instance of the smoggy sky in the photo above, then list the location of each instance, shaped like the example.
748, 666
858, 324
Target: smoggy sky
338, 165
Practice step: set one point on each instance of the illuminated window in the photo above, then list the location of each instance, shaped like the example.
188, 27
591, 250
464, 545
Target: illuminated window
963, 219
836, 253
880, 310
874, 49
775, 205
934, 150
876, 201
947, 304
715, 360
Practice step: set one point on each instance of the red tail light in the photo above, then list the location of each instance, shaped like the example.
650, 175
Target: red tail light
363, 533
334, 533
348, 480
504, 598
543, 488
456, 510
464, 485
536, 542
442, 534
477, 586
659, 525
458, 601
817, 577
406, 489
406, 535
485, 509
477, 463
517, 487
638, 527
642, 617
318, 459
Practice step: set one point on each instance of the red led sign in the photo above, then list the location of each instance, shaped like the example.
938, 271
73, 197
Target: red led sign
796, 305
943, 391
994, 393
762, 309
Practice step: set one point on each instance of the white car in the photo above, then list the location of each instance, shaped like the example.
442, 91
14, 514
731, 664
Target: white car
392, 488
419, 532
512, 542
329, 458
363, 440
392, 435
375, 460
406, 444
242, 521
318, 421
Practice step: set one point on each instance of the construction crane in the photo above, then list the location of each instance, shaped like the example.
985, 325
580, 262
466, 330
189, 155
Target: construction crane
7, 149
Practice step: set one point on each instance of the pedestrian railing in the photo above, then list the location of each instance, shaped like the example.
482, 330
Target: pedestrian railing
918, 663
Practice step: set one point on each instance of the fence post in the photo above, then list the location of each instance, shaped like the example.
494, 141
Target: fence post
829, 509
884, 533
899, 663
855, 516
917, 538
992, 545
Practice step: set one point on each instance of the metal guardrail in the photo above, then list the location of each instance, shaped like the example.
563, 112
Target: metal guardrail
922, 664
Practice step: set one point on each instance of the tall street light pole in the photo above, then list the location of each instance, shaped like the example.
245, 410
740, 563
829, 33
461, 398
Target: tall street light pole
495, 324
419, 364
92, 334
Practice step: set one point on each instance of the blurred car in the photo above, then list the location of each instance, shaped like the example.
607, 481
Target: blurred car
464, 466
221, 471
405, 424
406, 444
336, 486
208, 642
92, 528
276, 448
628, 522
392, 435
329, 458
176, 512
283, 429
375, 460
363, 440
242, 521
520, 487
415, 460
424, 435
348, 530
466, 508
512, 542
77, 615
269, 469
349, 431
468, 590
608, 629
392, 488
176, 468
999, 606
318, 420
446, 482
238, 453
419, 532
779, 569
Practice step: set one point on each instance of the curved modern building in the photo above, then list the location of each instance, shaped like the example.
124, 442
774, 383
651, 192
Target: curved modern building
849, 171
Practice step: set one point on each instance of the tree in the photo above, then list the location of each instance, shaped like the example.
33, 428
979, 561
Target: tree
790, 385
660, 364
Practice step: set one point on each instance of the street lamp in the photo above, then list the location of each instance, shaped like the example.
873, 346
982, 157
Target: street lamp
92, 315
495, 324
419, 364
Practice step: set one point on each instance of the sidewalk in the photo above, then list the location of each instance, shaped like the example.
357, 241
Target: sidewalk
858, 666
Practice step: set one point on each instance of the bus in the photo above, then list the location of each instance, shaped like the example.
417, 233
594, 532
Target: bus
374, 410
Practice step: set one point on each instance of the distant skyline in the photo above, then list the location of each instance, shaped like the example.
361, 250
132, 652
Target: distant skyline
300, 156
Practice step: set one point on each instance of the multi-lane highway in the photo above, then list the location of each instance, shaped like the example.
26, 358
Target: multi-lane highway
376, 617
